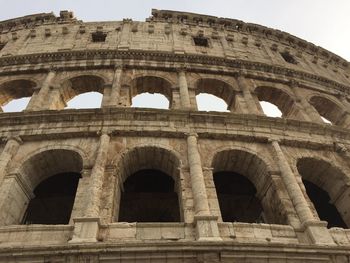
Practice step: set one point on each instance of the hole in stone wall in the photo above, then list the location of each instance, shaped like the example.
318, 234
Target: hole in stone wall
53, 201
16, 105
149, 196
149, 100
201, 41
330, 112
87, 100
98, 37
209, 102
288, 58
237, 200
2, 45
326, 120
322, 203
270, 109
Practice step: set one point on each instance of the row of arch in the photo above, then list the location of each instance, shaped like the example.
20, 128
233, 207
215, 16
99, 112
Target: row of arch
157, 92
152, 188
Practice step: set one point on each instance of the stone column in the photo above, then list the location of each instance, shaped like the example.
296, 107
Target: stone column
11, 148
183, 88
125, 35
316, 230
244, 86
86, 228
311, 112
116, 87
206, 224
33, 99
42, 97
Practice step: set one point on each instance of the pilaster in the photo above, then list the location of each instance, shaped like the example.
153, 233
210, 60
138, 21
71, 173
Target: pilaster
206, 224
316, 230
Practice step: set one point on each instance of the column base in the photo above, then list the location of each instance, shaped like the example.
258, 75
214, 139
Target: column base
86, 229
207, 228
317, 232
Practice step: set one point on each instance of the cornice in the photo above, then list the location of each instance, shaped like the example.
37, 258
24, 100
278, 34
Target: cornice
169, 123
105, 59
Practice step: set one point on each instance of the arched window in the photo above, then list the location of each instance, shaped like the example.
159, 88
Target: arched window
151, 186
209, 102
330, 112
151, 92
322, 203
240, 180
148, 100
276, 103
237, 198
81, 92
53, 200
149, 196
15, 94
44, 192
325, 186
88, 100
214, 95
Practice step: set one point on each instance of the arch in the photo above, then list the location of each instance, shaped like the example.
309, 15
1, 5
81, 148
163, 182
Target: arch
59, 165
218, 88
328, 178
46, 163
280, 98
16, 89
153, 85
328, 108
252, 173
137, 168
80, 84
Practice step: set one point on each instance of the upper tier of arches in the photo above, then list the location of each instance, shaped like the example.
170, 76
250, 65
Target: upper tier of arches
175, 91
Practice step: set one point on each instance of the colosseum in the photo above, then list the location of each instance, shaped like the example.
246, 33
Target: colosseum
128, 184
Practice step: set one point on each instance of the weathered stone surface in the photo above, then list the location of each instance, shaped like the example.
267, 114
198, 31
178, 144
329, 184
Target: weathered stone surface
180, 55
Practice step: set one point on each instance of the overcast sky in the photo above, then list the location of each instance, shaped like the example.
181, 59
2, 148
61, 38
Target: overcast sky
323, 22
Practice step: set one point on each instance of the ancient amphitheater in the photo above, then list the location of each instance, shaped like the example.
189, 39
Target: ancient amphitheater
125, 184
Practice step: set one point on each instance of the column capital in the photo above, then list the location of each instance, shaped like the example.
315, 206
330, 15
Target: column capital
239, 73
293, 83
182, 68
52, 69
101, 133
13, 138
188, 134
272, 140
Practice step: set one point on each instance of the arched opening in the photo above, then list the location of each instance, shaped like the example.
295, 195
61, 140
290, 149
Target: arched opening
45, 190
151, 92
270, 110
149, 196
244, 189
151, 186
148, 100
53, 200
237, 198
214, 95
276, 103
325, 186
330, 112
322, 203
208, 102
87, 100
15, 94
82, 92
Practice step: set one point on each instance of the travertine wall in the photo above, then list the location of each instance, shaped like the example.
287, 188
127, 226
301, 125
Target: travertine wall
52, 59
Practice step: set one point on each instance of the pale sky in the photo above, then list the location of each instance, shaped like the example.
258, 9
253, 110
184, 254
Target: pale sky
323, 22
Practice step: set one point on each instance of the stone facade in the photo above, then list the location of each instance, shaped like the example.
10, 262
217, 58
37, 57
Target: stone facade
53, 59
